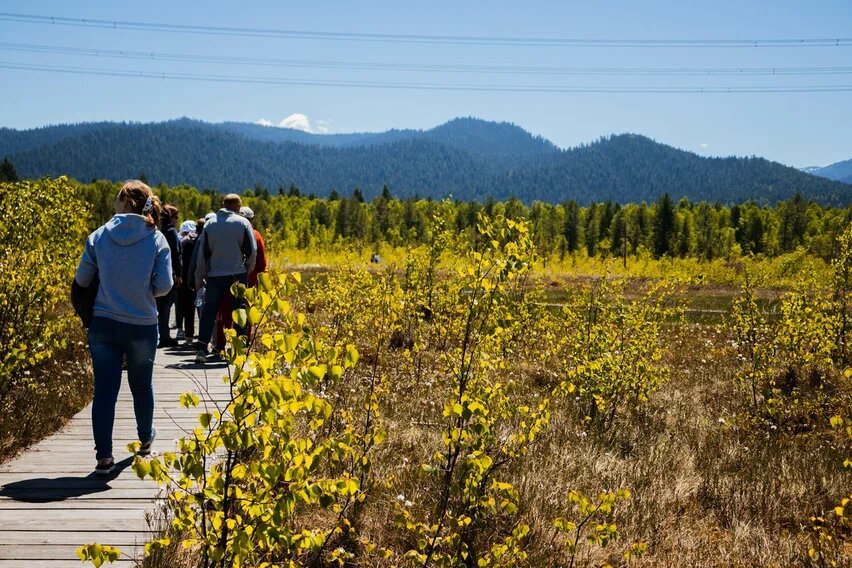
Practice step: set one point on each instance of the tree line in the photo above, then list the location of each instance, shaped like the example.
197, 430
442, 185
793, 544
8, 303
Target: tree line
666, 227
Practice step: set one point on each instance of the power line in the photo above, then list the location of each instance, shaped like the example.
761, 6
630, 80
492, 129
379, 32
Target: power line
419, 86
449, 68
419, 38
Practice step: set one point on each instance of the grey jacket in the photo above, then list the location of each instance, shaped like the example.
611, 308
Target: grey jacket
226, 247
134, 264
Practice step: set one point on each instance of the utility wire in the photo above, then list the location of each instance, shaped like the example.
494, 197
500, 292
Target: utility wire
449, 68
417, 86
419, 38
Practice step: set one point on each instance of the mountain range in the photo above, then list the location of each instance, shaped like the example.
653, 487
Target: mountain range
467, 158
840, 171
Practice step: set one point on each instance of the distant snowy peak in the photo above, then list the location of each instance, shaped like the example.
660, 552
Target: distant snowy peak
839, 171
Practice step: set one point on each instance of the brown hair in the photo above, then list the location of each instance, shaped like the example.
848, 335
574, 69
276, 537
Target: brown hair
137, 194
169, 212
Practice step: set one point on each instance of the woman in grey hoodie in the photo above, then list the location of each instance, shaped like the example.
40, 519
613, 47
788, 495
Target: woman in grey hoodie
133, 262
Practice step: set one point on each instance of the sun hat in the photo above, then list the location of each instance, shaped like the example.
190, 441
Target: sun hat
187, 227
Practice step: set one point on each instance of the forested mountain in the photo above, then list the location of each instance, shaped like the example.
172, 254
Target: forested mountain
629, 164
15, 141
840, 171
466, 158
499, 140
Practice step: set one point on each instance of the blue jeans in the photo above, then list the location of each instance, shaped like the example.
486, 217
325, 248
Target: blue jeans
164, 309
217, 288
109, 342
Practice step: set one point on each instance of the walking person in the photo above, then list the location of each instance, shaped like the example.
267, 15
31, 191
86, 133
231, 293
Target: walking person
226, 254
168, 218
133, 263
260, 264
224, 318
186, 293
187, 228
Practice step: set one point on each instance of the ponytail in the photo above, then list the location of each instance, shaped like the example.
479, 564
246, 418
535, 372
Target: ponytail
142, 200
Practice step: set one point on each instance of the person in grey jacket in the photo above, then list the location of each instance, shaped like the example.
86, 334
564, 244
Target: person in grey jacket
133, 263
225, 253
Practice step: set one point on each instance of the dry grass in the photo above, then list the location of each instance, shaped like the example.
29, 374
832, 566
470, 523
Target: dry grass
53, 392
707, 491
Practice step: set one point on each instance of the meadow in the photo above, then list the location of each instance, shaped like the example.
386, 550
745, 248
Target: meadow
442, 412
473, 400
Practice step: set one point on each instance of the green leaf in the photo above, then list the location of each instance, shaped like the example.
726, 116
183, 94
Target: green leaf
141, 467
264, 282
188, 399
351, 358
317, 372
254, 315
240, 317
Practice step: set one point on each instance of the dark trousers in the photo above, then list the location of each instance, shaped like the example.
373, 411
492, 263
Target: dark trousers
164, 308
218, 288
186, 309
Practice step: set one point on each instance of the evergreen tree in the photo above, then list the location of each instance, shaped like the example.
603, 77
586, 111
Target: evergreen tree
685, 238
8, 173
640, 228
592, 228
618, 234
664, 225
572, 225
705, 231
794, 222
755, 241
294, 191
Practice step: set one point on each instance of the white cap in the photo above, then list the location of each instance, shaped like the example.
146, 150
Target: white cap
247, 212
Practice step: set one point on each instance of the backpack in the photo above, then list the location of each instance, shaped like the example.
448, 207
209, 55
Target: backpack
83, 300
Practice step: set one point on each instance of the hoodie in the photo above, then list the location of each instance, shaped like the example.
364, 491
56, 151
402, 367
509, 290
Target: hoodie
134, 264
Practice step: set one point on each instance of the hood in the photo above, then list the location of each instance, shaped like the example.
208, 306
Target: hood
128, 228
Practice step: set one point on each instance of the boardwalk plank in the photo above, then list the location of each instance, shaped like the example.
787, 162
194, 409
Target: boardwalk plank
55, 504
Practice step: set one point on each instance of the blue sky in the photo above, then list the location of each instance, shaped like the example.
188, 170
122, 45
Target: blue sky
799, 129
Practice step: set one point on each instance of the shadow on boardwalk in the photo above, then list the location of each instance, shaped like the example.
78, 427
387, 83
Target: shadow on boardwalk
43, 489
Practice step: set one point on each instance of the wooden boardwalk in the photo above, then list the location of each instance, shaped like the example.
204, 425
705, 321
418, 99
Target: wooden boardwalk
50, 500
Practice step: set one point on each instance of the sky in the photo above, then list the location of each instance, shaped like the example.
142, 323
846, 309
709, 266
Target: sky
794, 128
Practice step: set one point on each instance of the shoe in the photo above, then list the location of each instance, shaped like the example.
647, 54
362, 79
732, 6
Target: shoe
145, 448
105, 466
215, 357
200, 356
180, 335
168, 342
